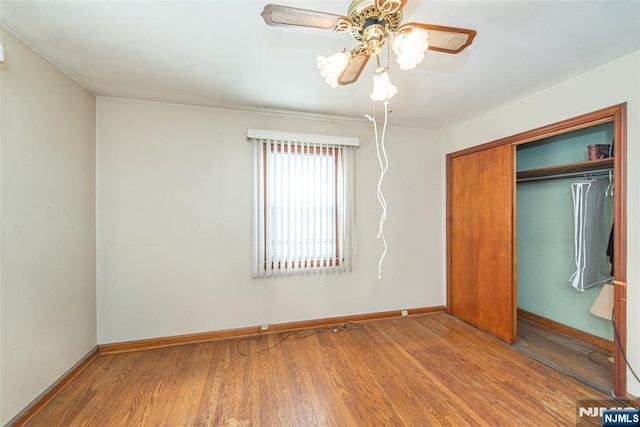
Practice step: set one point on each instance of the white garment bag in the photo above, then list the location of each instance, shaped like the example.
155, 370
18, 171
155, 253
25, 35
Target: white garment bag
591, 264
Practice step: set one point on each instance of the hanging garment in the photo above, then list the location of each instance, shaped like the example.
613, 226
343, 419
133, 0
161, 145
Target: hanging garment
591, 265
610, 249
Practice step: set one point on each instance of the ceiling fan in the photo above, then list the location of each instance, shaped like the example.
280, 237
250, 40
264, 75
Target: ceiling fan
371, 23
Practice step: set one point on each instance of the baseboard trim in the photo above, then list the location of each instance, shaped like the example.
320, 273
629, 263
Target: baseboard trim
152, 343
27, 413
568, 330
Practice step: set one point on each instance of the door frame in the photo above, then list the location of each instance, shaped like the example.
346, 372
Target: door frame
618, 115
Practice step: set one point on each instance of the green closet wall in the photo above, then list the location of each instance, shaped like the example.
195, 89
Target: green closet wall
545, 241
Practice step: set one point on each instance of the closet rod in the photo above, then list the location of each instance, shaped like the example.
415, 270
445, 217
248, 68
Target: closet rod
589, 174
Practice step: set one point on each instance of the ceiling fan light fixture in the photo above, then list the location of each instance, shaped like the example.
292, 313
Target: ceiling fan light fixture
372, 23
410, 47
332, 67
383, 89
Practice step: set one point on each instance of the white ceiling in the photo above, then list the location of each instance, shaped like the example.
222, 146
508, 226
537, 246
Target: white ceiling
222, 54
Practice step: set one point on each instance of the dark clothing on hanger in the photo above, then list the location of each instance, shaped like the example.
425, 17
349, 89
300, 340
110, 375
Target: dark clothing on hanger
610, 249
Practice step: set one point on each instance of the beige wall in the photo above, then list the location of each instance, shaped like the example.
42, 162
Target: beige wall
611, 84
174, 221
48, 225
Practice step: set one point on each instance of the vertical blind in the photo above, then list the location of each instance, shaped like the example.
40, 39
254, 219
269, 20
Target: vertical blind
303, 192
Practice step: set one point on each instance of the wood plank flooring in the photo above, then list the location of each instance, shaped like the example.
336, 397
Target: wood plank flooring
576, 357
414, 371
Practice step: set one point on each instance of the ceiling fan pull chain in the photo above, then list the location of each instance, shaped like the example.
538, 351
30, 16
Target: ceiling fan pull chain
383, 161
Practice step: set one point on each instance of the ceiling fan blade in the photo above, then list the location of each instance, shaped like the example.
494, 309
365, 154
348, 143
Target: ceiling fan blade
444, 39
359, 59
388, 7
285, 16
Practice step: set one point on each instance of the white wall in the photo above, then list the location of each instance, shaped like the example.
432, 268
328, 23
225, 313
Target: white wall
174, 221
48, 225
613, 83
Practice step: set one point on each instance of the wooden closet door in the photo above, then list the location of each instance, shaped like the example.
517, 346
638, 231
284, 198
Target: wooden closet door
480, 241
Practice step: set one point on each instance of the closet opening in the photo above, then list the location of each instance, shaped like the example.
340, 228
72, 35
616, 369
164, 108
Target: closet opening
565, 197
491, 257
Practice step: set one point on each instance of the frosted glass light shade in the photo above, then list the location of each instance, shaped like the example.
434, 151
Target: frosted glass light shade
410, 47
331, 67
1, 53
383, 89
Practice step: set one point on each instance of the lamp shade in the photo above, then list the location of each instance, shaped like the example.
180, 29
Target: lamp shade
603, 303
383, 89
1, 53
331, 67
410, 47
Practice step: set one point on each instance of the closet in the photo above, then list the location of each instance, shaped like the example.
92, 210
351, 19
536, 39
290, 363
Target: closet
564, 215
487, 197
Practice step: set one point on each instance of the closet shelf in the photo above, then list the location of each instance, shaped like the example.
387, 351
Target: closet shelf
579, 167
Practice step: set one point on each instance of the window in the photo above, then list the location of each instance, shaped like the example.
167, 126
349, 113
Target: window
303, 203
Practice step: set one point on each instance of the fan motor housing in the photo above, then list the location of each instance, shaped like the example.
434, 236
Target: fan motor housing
374, 35
363, 14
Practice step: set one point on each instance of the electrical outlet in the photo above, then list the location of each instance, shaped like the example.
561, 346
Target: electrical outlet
264, 327
404, 313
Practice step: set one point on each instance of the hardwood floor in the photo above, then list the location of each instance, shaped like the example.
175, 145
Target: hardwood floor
576, 357
417, 370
